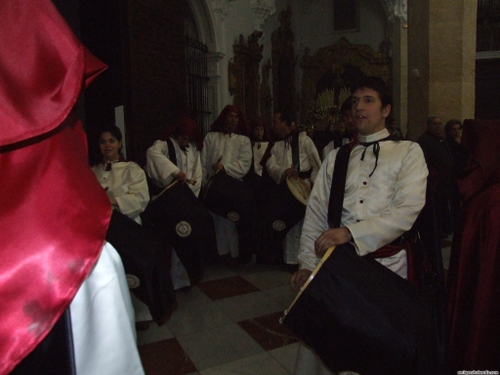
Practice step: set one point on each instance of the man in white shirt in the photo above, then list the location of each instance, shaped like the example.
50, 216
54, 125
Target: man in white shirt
294, 157
384, 193
225, 159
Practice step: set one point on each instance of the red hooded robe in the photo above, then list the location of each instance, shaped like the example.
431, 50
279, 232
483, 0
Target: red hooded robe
54, 215
474, 272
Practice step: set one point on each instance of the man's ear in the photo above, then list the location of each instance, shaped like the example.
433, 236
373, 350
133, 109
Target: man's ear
386, 111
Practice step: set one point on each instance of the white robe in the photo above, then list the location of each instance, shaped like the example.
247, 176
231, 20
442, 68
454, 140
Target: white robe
126, 182
235, 153
235, 150
281, 158
102, 320
331, 146
376, 209
259, 148
160, 168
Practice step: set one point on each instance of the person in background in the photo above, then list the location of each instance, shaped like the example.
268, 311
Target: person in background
393, 128
142, 252
441, 167
294, 156
124, 182
178, 211
453, 131
349, 129
225, 159
474, 271
185, 137
54, 214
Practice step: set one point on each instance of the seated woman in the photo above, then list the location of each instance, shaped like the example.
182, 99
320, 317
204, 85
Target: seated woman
177, 210
142, 253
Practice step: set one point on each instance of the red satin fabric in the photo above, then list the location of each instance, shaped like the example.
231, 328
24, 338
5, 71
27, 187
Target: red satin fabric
54, 214
474, 272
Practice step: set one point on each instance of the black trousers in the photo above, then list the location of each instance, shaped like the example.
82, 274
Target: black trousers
281, 212
233, 199
144, 255
180, 217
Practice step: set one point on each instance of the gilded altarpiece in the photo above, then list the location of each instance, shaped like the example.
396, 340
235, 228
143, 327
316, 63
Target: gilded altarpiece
337, 68
244, 75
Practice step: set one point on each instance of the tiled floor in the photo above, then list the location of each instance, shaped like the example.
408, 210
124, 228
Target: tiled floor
229, 324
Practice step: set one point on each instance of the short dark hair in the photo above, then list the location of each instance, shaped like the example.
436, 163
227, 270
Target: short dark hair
450, 123
285, 116
432, 118
377, 84
346, 106
114, 131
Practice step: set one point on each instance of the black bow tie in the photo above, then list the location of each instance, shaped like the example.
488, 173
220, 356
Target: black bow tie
376, 148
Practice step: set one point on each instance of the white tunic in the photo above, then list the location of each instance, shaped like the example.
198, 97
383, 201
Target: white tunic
160, 168
126, 182
259, 148
331, 146
377, 209
102, 321
281, 158
235, 150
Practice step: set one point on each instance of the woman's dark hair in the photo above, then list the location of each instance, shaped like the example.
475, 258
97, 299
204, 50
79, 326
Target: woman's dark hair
114, 131
253, 122
450, 123
377, 84
346, 106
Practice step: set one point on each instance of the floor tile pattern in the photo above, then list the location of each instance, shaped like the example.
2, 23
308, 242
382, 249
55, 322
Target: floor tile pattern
229, 324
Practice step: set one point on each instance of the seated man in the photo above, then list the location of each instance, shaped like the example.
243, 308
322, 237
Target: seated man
294, 156
225, 159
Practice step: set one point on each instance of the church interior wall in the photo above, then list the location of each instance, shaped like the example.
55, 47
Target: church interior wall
312, 24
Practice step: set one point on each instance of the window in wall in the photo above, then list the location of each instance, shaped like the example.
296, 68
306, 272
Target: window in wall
345, 15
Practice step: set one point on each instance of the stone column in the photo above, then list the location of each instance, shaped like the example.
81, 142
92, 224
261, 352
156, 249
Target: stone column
400, 73
441, 61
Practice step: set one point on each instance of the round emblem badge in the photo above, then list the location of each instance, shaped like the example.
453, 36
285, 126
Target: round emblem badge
133, 281
279, 225
183, 229
233, 216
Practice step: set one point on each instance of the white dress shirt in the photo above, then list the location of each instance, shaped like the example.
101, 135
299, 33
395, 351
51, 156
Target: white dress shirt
160, 168
281, 158
233, 150
259, 148
126, 182
376, 209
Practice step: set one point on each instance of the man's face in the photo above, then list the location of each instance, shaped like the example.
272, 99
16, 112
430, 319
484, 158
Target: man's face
435, 127
280, 127
231, 122
182, 140
367, 111
348, 122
